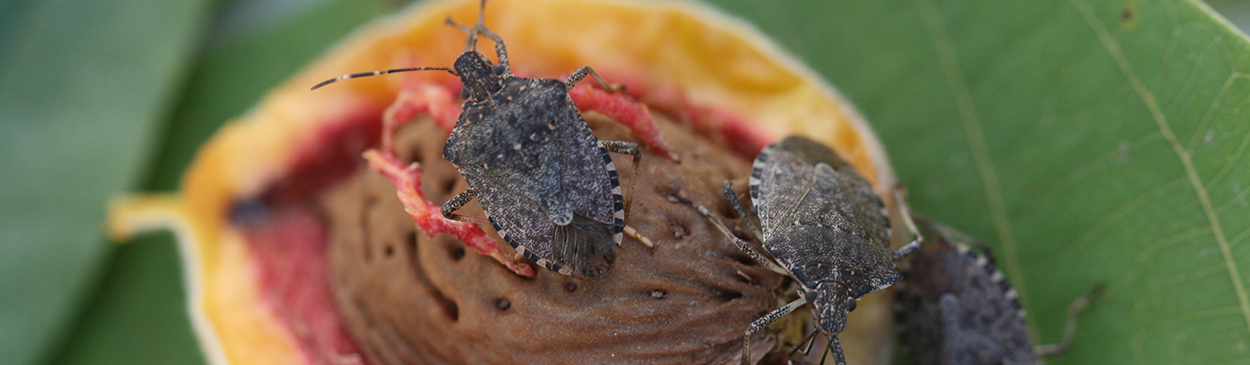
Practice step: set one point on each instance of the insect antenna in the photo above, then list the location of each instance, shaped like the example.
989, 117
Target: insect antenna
383, 72
805, 345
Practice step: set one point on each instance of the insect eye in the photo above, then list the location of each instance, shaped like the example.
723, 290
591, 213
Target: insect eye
464, 93
850, 304
497, 69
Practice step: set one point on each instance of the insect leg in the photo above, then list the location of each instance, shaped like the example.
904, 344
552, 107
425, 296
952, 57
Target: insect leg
1069, 331
805, 345
623, 147
581, 74
455, 203
742, 213
630, 231
764, 321
742, 245
907, 249
900, 198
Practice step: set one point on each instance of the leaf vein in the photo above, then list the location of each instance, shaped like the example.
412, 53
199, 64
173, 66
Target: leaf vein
1228, 165
1147, 97
1215, 104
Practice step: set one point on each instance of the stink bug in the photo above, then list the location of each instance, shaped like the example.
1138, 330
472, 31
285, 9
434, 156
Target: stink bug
548, 186
823, 226
954, 307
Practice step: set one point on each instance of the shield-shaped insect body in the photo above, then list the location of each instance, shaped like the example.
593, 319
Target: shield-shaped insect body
823, 225
548, 186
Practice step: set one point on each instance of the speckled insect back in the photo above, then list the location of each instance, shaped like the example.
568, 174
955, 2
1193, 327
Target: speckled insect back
823, 225
955, 307
548, 186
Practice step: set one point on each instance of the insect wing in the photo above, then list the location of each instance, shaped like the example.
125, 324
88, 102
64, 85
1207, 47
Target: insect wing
866, 211
778, 182
582, 247
790, 149
592, 189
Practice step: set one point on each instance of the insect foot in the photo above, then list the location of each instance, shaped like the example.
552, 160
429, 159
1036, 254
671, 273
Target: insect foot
822, 225
954, 307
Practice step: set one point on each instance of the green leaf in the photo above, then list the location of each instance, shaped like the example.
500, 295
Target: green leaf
1089, 141
83, 84
139, 314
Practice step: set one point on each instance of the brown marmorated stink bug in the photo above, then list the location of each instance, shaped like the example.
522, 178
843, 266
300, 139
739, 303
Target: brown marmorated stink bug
823, 226
547, 184
954, 307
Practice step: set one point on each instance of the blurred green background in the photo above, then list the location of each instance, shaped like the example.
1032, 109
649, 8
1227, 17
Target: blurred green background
100, 97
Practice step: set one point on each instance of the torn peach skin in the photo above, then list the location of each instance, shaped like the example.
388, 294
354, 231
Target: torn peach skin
252, 253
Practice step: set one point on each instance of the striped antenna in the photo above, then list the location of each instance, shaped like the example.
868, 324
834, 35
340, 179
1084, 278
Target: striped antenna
383, 72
